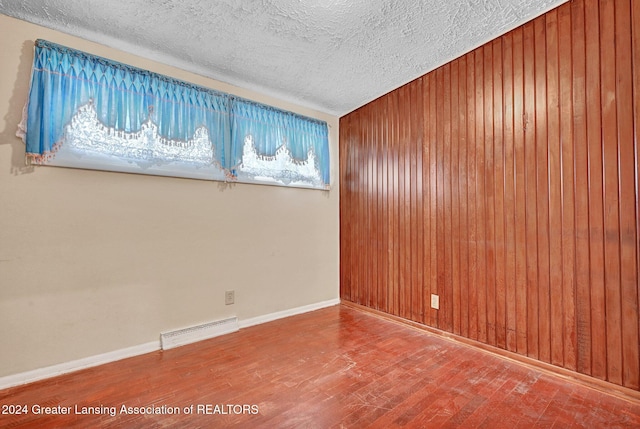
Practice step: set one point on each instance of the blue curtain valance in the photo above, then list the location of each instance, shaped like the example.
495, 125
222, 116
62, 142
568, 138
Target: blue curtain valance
90, 105
278, 135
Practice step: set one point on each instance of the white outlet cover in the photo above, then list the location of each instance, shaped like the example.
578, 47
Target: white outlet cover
229, 297
435, 301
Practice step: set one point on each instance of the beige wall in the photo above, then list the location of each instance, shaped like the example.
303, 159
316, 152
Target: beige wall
92, 262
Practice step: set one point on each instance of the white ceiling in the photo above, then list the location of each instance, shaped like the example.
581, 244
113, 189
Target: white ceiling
332, 56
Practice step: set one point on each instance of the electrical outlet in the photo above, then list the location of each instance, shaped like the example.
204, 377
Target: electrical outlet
229, 297
435, 301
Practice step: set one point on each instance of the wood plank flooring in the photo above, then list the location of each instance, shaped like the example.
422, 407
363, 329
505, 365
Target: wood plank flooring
336, 367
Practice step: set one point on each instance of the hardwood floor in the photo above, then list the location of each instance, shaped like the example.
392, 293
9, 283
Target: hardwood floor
336, 367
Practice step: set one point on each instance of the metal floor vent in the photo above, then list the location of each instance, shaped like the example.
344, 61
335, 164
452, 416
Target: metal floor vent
192, 334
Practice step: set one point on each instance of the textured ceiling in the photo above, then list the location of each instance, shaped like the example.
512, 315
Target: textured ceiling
332, 56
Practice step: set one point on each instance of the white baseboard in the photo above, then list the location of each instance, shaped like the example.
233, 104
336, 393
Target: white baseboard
101, 359
76, 365
286, 313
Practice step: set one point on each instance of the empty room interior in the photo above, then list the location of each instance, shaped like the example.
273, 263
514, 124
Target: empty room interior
315, 214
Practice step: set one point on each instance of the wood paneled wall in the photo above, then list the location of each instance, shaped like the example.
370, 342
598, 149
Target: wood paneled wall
506, 182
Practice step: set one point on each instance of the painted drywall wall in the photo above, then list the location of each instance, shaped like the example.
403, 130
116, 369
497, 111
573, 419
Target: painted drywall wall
92, 262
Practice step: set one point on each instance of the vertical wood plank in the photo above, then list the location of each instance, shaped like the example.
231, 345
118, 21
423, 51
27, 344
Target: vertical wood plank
354, 203
371, 282
416, 201
344, 203
626, 185
489, 169
395, 219
509, 207
581, 190
370, 285
405, 193
404, 284
481, 248
386, 162
472, 193
531, 212
635, 29
365, 191
379, 193
455, 201
399, 195
405, 204
542, 188
426, 200
365, 290
384, 224
440, 192
463, 186
567, 185
445, 319
520, 197
388, 229
408, 202
360, 204
555, 189
611, 196
433, 183
359, 284
399, 202
596, 191
419, 118
361, 273
421, 197
354, 187
377, 202
499, 172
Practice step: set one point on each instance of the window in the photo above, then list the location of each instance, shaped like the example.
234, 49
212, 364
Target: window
90, 112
